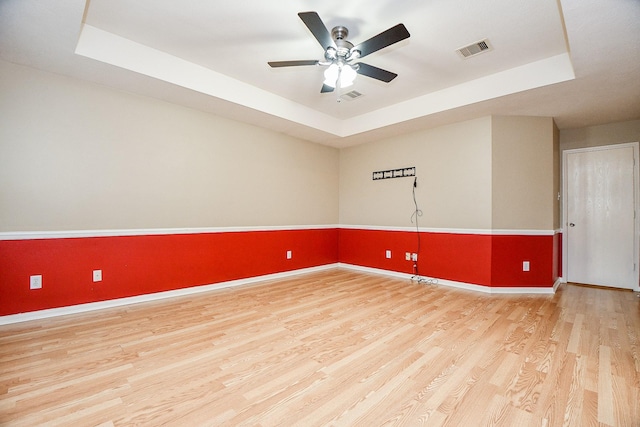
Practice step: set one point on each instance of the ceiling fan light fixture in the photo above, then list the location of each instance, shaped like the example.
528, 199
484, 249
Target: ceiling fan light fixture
347, 76
339, 74
353, 54
331, 75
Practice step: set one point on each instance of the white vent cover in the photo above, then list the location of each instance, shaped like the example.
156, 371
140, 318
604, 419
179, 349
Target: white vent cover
350, 96
475, 48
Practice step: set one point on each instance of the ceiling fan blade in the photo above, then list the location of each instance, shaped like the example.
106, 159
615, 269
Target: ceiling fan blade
375, 72
326, 88
276, 64
318, 29
382, 40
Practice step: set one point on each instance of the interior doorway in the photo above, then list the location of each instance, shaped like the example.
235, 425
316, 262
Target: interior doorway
600, 241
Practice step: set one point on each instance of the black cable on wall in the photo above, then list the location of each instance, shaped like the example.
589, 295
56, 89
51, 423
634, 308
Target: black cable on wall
417, 213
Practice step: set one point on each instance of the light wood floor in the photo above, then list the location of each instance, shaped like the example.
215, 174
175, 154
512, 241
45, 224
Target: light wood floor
333, 348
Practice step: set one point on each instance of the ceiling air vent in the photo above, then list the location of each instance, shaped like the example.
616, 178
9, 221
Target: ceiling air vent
350, 96
475, 48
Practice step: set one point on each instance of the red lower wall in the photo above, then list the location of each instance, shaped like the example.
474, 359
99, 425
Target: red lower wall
481, 259
136, 265
508, 253
557, 246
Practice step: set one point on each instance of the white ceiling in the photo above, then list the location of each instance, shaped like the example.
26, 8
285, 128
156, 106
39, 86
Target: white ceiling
575, 60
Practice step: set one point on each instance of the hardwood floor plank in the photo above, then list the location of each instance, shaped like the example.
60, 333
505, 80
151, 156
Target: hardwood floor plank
605, 387
590, 409
502, 377
576, 332
575, 393
624, 401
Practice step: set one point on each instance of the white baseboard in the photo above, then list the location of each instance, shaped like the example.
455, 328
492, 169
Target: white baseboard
100, 305
454, 284
559, 281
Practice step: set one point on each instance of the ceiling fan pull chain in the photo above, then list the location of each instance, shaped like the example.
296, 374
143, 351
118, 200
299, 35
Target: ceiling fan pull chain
338, 85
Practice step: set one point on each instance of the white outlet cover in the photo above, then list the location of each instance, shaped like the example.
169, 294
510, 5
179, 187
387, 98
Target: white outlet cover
388, 254
35, 282
97, 275
288, 254
525, 266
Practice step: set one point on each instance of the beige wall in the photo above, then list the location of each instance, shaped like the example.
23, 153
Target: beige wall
489, 173
75, 155
557, 178
524, 184
594, 136
453, 166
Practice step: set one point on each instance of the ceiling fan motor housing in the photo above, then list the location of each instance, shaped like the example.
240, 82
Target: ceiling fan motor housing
339, 35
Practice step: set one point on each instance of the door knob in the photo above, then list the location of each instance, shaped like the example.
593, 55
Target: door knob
571, 224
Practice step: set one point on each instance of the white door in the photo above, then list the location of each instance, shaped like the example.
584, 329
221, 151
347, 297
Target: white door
600, 221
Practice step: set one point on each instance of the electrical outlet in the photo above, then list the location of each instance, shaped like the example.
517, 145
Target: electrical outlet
35, 282
407, 256
388, 253
525, 266
97, 275
288, 254
414, 257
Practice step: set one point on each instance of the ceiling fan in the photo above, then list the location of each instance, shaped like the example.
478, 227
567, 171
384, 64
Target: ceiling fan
340, 54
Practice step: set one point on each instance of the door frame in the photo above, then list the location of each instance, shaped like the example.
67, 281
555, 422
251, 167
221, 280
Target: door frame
636, 190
